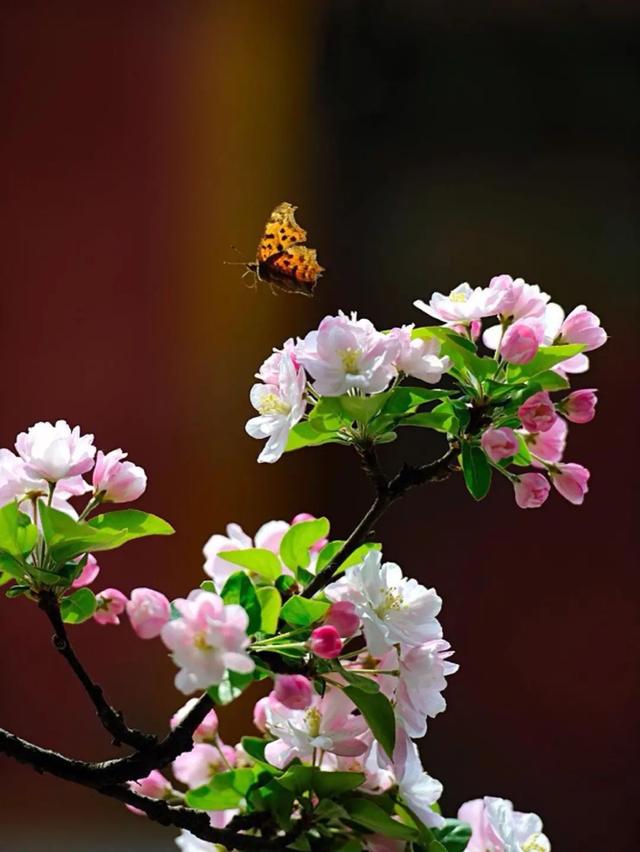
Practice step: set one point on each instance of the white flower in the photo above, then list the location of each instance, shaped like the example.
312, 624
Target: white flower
17, 484
393, 608
423, 672
418, 358
514, 299
463, 304
280, 407
190, 843
518, 832
55, 452
418, 789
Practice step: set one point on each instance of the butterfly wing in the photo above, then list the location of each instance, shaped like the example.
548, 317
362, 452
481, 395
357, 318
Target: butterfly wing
281, 232
294, 269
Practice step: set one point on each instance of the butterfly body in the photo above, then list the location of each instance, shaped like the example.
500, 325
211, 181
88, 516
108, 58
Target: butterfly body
282, 260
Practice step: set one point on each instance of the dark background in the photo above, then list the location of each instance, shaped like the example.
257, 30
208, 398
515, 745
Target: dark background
426, 143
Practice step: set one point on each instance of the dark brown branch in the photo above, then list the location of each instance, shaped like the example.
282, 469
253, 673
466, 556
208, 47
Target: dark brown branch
111, 719
387, 492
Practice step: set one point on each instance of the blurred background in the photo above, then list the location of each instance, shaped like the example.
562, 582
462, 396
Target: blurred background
426, 143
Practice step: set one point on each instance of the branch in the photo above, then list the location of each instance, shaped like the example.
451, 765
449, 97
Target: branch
111, 719
387, 492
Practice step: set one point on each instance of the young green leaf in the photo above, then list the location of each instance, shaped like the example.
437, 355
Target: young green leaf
406, 400
366, 813
476, 470
240, 590
545, 358
254, 747
78, 606
442, 418
17, 534
225, 790
330, 784
299, 538
362, 408
378, 714
306, 435
454, 835
302, 612
270, 603
256, 559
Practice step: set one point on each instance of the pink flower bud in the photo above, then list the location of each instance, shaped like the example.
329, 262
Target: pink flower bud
260, 714
500, 443
148, 612
294, 691
155, 786
206, 730
343, 616
117, 481
110, 604
571, 481
325, 642
522, 340
88, 573
538, 413
531, 490
580, 406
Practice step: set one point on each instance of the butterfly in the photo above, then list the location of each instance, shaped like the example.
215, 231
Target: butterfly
282, 260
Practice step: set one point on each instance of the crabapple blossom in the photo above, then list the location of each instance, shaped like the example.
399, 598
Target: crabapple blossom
55, 451
423, 673
198, 766
497, 827
17, 484
154, 785
571, 480
392, 608
188, 842
328, 724
344, 617
548, 446
280, 406
499, 443
110, 604
116, 480
582, 326
268, 537
88, 574
269, 372
538, 412
463, 304
206, 730
293, 691
260, 713
418, 357
522, 340
325, 642
148, 612
515, 299
418, 789
208, 638
531, 490
347, 353
580, 405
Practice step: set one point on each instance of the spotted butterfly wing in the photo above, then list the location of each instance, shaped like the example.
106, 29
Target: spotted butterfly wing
283, 261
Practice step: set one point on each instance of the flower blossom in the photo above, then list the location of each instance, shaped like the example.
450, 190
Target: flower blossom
111, 603
328, 724
154, 786
531, 490
279, 408
208, 638
325, 642
148, 612
293, 691
418, 357
538, 412
198, 766
206, 730
55, 451
463, 304
268, 537
347, 353
418, 789
499, 443
344, 617
547, 446
16, 483
580, 326
423, 672
580, 406
521, 341
188, 842
571, 480
88, 574
116, 480
515, 299
269, 372
392, 608
497, 827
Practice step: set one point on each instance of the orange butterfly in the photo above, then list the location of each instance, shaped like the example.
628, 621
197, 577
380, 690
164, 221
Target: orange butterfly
283, 261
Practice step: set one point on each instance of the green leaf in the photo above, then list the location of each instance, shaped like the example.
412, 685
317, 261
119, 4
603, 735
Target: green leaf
302, 612
545, 358
256, 559
16, 590
132, 522
523, 456
254, 747
362, 408
442, 418
232, 685
208, 586
378, 714
274, 798
5, 576
297, 779
551, 381
240, 590
299, 538
78, 606
270, 604
225, 790
364, 812
333, 547
305, 435
476, 470
406, 400
330, 784
11, 567
454, 835
365, 684
17, 534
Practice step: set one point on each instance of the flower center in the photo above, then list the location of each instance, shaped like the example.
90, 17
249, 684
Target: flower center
313, 718
532, 845
392, 601
272, 404
457, 297
200, 642
349, 359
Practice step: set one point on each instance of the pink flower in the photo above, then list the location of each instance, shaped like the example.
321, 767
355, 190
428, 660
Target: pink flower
206, 730
571, 480
209, 638
293, 691
419, 357
497, 827
582, 326
418, 789
198, 766
155, 786
499, 443
347, 353
88, 574
462, 305
580, 406
471, 330
148, 612
268, 537
515, 299
110, 604
269, 372
115, 480
522, 340
328, 724
344, 617
531, 490
538, 413
260, 713
325, 642
55, 452
423, 673
548, 446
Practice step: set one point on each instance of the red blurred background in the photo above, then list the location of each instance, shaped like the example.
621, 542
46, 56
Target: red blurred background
425, 145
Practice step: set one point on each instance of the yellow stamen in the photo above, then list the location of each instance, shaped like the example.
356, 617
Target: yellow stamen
272, 404
313, 718
350, 360
458, 297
